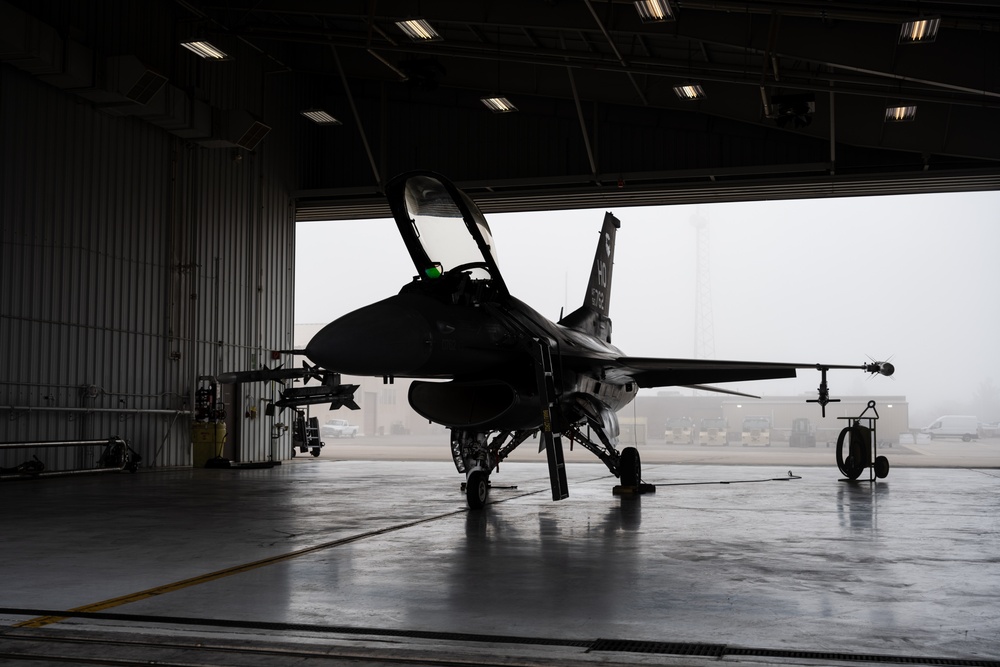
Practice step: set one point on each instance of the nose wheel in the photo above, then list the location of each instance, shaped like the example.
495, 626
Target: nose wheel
477, 489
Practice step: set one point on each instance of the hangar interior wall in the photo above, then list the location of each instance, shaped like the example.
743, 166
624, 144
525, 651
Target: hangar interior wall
131, 262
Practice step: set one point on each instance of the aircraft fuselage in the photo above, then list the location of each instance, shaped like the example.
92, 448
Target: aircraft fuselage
483, 347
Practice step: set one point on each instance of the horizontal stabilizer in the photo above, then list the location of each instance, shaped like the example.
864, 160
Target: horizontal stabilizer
717, 390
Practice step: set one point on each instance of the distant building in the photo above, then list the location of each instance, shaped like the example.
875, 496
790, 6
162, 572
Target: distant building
893, 413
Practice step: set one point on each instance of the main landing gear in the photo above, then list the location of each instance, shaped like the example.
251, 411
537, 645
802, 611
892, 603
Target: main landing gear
629, 467
477, 454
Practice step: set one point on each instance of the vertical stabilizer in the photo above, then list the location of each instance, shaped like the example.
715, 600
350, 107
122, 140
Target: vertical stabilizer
592, 316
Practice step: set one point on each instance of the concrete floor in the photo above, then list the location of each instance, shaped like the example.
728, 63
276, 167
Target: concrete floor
323, 561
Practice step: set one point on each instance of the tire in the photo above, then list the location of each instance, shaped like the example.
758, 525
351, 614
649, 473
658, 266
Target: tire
629, 467
881, 467
315, 451
858, 441
477, 489
966, 438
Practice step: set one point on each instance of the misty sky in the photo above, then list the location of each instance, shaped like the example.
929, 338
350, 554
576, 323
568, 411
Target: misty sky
837, 280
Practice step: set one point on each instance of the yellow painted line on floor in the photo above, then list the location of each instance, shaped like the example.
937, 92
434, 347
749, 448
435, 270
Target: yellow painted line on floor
42, 621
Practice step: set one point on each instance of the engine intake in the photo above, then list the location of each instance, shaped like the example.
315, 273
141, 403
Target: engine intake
481, 405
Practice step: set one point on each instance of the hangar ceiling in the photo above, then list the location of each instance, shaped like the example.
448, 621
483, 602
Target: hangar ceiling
795, 103
595, 70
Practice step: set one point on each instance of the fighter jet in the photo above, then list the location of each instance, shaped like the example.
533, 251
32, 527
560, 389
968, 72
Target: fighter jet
489, 367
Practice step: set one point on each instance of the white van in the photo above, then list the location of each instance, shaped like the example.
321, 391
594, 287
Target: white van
954, 426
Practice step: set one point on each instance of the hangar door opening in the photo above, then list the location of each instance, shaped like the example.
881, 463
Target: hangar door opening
839, 280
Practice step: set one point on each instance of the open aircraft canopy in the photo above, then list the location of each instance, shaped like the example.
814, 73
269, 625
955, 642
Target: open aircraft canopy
443, 229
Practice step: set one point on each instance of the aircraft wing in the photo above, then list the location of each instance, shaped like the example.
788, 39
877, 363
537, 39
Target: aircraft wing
655, 372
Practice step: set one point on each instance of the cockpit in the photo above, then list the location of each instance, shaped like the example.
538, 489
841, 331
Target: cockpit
444, 230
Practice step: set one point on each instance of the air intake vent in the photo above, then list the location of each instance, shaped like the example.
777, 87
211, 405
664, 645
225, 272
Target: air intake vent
148, 84
253, 135
235, 128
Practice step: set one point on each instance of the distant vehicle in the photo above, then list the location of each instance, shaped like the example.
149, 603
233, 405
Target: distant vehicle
338, 428
965, 427
713, 431
803, 434
679, 431
756, 431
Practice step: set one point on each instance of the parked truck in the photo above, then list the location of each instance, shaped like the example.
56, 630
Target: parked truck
339, 428
679, 430
756, 431
713, 431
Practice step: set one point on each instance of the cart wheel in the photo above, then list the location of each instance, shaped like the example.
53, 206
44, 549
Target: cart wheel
881, 467
293, 452
315, 451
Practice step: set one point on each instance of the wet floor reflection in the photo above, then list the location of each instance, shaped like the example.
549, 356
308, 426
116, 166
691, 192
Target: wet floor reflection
857, 505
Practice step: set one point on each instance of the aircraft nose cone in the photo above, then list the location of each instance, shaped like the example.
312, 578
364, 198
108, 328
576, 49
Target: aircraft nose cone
385, 338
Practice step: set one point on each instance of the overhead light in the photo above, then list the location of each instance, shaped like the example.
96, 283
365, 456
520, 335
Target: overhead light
418, 30
206, 50
690, 91
919, 31
320, 117
498, 104
654, 11
900, 114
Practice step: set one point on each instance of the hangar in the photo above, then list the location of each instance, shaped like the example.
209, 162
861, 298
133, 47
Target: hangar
155, 158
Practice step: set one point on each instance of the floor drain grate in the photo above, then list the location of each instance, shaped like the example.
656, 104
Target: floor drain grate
862, 657
720, 651
672, 648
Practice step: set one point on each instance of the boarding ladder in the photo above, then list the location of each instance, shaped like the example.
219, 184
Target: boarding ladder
552, 425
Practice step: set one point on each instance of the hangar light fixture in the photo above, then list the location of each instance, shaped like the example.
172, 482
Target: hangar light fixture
900, 114
206, 50
919, 31
690, 91
654, 11
320, 117
418, 30
498, 104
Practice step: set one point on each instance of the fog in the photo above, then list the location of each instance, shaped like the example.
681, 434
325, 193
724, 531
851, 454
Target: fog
910, 278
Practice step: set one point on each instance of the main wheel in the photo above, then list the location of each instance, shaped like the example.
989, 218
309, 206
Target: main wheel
477, 488
629, 467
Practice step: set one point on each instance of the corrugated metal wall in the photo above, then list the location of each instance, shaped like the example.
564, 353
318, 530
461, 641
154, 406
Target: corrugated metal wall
131, 262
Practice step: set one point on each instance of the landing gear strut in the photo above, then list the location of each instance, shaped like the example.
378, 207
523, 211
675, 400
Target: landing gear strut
476, 456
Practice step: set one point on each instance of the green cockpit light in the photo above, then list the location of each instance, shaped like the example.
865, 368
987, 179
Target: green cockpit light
434, 271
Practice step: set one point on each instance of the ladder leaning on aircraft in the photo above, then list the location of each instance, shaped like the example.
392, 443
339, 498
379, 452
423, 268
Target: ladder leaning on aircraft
509, 372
